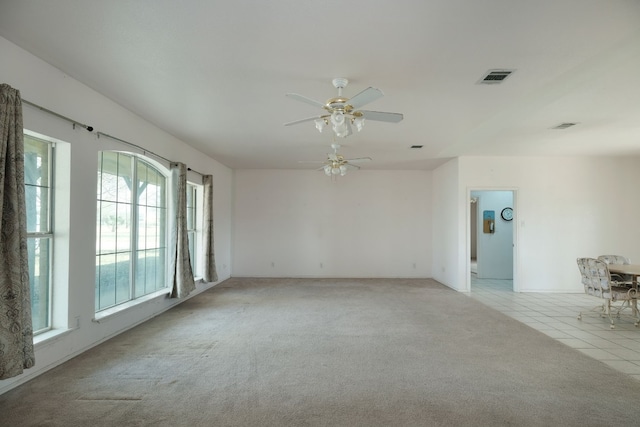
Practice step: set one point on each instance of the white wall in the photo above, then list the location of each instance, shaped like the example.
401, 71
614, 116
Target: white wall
567, 207
292, 223
448, 237
50, 88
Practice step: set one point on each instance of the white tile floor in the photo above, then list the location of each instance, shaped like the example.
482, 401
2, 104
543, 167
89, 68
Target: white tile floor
556, 316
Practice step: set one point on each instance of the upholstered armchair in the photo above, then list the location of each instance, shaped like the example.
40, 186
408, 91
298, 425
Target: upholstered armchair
614, 294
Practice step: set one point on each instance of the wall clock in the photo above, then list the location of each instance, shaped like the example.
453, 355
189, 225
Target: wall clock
507, 214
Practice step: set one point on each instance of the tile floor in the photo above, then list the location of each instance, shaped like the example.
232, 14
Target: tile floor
556, 316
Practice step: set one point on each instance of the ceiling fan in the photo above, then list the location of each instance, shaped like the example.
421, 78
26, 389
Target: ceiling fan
336, 164
343, 113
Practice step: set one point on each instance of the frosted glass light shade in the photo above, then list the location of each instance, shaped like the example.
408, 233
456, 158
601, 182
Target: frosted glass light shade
337, 118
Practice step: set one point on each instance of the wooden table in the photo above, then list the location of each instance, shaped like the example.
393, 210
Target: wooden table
632, 269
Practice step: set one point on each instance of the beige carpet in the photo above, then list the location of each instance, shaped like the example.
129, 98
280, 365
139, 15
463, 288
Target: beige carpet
304, 352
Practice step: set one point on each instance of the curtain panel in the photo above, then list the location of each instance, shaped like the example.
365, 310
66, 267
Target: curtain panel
209, 274
16, 333
181, 270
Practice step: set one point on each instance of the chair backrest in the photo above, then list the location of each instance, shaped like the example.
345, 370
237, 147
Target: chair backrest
617, 259
595, 277
614, 259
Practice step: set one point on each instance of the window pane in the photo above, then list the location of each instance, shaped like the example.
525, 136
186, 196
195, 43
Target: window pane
37, 204
190, 219
106, 269
39, 280
150, 228
108, 176
123, 230
107, 214
124, 178
123, 281
191, 207
98, 227
191, 236
36, 162
141, 273
143, 179
155, 276
190, 195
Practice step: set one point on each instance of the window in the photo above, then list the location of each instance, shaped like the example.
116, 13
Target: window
131, 252
191, 223
38, 155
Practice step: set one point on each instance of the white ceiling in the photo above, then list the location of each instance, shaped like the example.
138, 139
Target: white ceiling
215, 73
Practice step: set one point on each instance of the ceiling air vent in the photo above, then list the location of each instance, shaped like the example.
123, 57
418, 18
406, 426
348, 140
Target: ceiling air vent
564, 125
493, 77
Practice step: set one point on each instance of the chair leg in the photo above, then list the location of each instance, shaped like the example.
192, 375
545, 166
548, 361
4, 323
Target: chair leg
608, 311
600, 309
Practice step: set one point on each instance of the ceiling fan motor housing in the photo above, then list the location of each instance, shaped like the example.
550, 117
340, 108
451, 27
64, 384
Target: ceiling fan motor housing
340, 83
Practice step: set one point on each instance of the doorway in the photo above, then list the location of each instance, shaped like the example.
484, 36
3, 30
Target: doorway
492, 237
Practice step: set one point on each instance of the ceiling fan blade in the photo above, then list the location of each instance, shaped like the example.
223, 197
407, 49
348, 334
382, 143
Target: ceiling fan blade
359, 160
305, 99
380, 116
311, 161
368, 95
301, 121
352, 166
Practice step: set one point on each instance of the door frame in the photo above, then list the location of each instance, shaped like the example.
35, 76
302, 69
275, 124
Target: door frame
516, 258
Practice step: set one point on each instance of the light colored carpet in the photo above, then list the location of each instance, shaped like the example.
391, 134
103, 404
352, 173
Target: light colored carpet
320, 352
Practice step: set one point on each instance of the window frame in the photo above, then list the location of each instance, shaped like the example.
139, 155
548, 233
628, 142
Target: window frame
134, 245
192, 219
49, 234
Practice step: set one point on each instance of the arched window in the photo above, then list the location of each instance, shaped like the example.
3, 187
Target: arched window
131, 227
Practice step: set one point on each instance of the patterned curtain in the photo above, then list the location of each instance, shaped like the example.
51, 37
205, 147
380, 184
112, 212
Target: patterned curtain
210, 274
16, 333
181, 270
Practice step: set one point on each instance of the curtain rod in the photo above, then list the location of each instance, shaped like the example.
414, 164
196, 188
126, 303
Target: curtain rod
90, 129
87, 127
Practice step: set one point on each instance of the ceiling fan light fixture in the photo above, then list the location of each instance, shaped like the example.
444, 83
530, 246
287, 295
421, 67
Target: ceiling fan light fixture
335, 170
358, 122
339, 124
337, 118
320, 124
